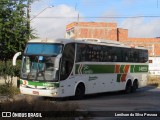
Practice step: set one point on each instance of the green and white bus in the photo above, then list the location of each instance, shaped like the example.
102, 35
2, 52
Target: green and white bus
63, 67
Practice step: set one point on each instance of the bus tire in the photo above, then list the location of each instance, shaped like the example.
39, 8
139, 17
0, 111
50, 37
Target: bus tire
128, 88
135, 86
80, 91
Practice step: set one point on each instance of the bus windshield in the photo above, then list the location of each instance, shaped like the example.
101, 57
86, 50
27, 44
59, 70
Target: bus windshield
43, 49
38, 61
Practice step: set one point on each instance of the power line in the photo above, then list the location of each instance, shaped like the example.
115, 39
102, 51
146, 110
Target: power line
151, 16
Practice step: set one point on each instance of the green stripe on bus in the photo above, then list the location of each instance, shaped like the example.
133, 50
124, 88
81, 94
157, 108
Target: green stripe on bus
46, 84
122, 68
94, 69
119, 77
100, 69
21, 82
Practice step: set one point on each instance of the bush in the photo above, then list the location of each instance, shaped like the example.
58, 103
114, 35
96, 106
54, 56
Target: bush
49, 109
8, 71
154, 80
8, 90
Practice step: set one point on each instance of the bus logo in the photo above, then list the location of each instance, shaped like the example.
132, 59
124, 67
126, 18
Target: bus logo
84, 69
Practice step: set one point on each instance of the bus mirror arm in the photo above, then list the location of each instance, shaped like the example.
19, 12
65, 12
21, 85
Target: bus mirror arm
15, 58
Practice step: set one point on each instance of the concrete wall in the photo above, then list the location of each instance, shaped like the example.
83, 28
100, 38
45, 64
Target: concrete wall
154, 65
2, 81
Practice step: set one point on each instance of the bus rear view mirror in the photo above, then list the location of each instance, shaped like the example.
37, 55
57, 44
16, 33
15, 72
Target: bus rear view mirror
15, 58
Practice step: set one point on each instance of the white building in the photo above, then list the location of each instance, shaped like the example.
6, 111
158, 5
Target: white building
154, 65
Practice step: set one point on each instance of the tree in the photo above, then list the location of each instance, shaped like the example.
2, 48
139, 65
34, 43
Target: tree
14, 32
13, 27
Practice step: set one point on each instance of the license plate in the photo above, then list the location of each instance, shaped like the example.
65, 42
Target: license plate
35, 92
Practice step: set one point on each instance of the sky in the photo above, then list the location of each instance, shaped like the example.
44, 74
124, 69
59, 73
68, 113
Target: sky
141, 17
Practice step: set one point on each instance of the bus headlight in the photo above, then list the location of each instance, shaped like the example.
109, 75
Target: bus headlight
54, 93
23, 85
50, 88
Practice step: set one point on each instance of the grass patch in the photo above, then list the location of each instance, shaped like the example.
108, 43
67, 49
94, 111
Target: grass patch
154, 80
9, 91
48, 109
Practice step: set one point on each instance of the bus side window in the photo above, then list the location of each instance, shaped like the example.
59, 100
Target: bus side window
145, 55
115, 58
80, 53
67, 61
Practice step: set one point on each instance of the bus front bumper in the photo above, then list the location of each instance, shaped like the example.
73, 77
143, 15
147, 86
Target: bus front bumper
39, 92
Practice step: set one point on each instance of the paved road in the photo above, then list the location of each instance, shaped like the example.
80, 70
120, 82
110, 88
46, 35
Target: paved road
145, 99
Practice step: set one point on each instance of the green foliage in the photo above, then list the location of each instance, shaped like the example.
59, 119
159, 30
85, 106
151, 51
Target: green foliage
14, 30
8, 71
8, 90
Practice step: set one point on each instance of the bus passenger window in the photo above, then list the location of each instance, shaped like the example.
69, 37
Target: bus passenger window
115, 58
126, 58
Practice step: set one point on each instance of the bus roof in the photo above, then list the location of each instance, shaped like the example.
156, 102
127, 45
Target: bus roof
85, 41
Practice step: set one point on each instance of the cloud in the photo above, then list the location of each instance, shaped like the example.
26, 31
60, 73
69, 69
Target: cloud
47, 26
128, 2
140, 27
38, 5
55, 27
109, 14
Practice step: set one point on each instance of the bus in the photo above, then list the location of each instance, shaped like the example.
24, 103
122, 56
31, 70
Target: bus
77, 67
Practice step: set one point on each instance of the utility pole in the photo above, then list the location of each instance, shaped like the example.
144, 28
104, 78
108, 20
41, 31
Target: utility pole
28, 18
78, 26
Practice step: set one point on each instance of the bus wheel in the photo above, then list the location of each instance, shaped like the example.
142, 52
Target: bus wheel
80, 91
135, 86
128, 87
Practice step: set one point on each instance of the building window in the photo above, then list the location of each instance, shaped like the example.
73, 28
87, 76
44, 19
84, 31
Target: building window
150, 61
70, 33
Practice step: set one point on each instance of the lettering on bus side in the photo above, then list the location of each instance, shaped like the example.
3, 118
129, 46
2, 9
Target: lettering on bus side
143, 68
92, 78
88, 72
48, 85
51, 85
139, 68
